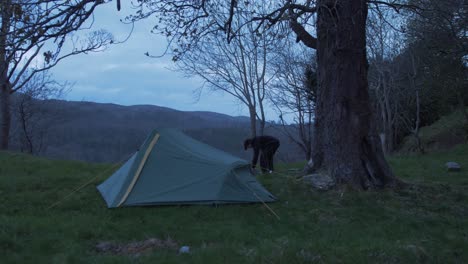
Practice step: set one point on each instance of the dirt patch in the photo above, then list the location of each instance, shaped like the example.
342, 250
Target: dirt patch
136, 247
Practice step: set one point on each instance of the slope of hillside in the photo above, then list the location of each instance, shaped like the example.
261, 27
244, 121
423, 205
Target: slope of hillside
99, 132
444, 134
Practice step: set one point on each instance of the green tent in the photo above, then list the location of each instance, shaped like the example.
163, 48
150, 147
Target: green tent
172, 168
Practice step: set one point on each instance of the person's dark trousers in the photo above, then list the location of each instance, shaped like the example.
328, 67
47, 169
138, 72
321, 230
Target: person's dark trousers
264, 162
269, 154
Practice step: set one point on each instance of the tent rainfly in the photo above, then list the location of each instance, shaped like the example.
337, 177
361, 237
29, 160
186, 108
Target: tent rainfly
172, 168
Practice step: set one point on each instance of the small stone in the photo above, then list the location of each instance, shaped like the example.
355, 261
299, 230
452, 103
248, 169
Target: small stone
184, 250
453, 166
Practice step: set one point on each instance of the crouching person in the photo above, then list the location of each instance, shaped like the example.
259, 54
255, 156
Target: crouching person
266, 147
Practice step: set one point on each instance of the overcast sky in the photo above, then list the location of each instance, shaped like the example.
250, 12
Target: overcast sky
124, 75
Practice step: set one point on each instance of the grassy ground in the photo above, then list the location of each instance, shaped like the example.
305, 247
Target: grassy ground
427, 223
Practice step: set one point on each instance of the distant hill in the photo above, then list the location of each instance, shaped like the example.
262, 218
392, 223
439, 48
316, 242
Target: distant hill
98, 132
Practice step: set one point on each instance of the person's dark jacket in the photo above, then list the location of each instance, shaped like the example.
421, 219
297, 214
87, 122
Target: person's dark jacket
263, 143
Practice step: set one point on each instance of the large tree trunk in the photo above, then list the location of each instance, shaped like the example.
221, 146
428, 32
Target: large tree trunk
5, 116
346, 144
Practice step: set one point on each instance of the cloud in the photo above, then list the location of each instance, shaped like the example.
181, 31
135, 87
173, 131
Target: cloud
140, 66
110, 67
124, 75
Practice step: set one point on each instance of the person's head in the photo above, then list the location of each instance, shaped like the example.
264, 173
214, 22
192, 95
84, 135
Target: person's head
247, 143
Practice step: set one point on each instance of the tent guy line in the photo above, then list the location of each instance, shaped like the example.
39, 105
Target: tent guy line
89, 182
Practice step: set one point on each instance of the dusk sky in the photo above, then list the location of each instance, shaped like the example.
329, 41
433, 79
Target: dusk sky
124, 75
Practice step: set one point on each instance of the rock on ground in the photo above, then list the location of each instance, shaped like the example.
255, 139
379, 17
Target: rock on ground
452, 166
321, 182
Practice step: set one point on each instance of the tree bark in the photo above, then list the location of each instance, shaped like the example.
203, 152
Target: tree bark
5, 89
5, 116
253, 121
346, 144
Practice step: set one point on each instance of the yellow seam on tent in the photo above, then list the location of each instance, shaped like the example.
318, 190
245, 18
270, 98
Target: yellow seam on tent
140, 168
